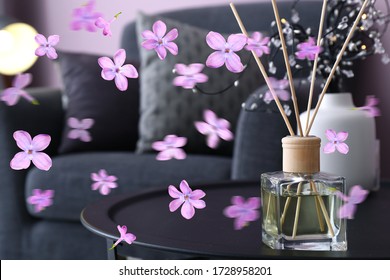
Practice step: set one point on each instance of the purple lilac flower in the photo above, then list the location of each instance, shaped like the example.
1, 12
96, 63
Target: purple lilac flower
370, 106
308, 50
46, 46
127, 237
159, 41
214, 128
79, 129
116, 70
356, 196
280, 89
41, 199
103, 182
336, 141
106, 25
32, 151
243, 211
170, 147
188, 198
258, 43
189, 75
85, 17
225, 51
12, 94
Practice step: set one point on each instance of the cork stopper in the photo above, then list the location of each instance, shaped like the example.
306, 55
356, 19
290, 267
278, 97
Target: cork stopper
301, 154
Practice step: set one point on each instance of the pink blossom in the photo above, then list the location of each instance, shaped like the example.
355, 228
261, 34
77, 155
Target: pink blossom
336, 142
79, 129
103, 182
170, 148
258, 43
31, 151
106, 25
279, 87
47, 46
308, 50
225, 51
127, 237
190, 75
158, 41
214, 128
114, 70
85, 17
356, 196
41, 199
369, 107
11, 95
243, 211
190, 199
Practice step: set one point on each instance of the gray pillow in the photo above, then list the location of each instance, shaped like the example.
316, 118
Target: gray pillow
167, 109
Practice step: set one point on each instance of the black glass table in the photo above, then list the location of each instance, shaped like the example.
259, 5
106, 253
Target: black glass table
210, 235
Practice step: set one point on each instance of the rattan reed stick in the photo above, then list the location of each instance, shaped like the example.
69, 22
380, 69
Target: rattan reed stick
297, 210
317, 201
288, 68
314, 71
339, 57
264, 73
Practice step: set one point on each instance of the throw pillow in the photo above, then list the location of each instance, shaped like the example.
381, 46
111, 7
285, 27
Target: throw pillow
98, 116
167, 109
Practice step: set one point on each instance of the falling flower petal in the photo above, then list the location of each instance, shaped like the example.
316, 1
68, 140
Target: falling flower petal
243, 211
116, 70
160, 42
214, 128
370, 106
85, 17
279, 87
258, 43
356, 196
41, 199
31, 151
170, 147
127, 237
12, 95
47, 46
103, 182
308, 50
336, 142
79, 129
225, 51
188, 198
190, 75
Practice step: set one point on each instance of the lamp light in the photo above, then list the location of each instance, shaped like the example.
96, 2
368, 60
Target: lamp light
17, 46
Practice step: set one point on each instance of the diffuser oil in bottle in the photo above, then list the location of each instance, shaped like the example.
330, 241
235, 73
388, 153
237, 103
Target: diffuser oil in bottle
300, 204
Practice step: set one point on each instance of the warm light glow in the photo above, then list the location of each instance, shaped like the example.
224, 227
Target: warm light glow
364, 16
364, 47
283, 20
18, 53
7, 41
362, 28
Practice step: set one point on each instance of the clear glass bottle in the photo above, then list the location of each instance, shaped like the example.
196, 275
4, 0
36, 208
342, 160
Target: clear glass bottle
300, 204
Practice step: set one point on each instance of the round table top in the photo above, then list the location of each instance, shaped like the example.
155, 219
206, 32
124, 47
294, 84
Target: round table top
211, 234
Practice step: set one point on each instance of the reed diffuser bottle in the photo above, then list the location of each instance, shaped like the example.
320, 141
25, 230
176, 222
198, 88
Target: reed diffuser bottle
300, 204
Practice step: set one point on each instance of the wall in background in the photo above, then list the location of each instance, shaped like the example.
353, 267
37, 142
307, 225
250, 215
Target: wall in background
53, 17
2, 10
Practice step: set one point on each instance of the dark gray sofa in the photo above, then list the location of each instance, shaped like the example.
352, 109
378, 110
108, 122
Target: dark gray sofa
60, 234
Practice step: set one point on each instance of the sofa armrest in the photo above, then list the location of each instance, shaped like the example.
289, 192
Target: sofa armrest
260, 128
44, 118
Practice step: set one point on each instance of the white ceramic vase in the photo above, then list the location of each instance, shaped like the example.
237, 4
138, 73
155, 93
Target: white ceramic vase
361, 165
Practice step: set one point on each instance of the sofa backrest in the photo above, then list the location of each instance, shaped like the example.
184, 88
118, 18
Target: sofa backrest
257, 16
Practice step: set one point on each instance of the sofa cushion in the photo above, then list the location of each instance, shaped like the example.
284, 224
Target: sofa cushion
167, 109
115, 113
70, 177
